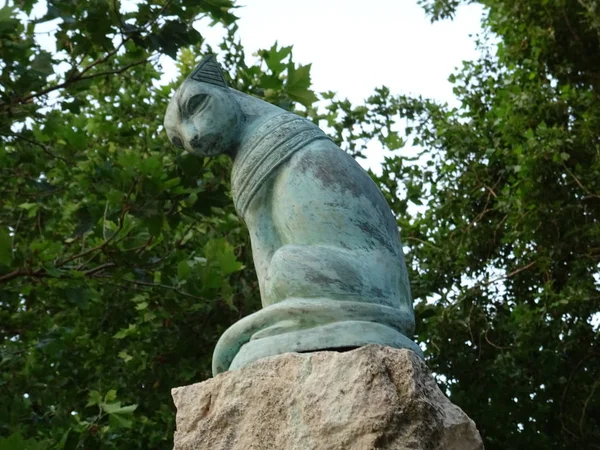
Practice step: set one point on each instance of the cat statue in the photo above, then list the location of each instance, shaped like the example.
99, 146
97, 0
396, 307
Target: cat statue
325, 244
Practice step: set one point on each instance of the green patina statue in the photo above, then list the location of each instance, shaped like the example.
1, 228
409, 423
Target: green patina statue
326, 246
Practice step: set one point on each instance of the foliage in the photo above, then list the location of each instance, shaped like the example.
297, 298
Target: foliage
505, 249
122, 261
498, 202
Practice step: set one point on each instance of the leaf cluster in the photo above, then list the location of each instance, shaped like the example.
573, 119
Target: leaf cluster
121, 260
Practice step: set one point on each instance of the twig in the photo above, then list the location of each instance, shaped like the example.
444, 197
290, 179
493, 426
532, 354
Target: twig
12, 247
14, 274
117, 8
499, 347
183, 235
480, 215
79, 77
101, 60
154, 285
568, 22
490, 190
42, 273
39, 222
566, 389
44, 148
579, 183
98, 269
498, 226
141, 248
412, 238
585, 405
163, 9
98, 247
513, 273
104, 220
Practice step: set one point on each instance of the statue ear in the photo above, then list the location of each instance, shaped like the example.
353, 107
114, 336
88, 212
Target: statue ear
209, 71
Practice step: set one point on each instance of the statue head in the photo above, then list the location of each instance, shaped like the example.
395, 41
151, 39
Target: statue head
203, 117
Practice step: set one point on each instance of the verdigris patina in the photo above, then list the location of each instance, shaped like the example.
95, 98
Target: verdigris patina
325, 244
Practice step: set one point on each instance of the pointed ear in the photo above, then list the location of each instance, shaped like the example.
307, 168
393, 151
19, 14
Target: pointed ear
209, 71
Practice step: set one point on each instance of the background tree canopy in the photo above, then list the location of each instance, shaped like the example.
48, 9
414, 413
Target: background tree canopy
122, 260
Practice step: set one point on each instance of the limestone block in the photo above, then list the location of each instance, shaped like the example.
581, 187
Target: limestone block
373, 397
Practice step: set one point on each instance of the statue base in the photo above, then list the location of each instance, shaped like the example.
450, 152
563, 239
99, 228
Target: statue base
369, 398
308, 325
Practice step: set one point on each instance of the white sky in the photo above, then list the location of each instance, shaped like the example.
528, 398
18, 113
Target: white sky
354, 48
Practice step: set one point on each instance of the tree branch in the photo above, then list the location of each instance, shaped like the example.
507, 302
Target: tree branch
154, 285
80, 77
44, 148
512, 274
412, 238
99, 268
42, 272
587, 191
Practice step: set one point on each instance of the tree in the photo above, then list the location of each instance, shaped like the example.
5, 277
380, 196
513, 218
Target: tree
505, 251
121, 259
500, 215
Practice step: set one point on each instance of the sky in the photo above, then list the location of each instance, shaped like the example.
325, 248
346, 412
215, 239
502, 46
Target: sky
354, 48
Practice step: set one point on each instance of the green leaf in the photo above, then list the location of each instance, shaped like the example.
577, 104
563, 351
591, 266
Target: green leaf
7, 13
151, 166
221, 252
304, 97
125, 332
172, 183
42, 63
393, 141
275, 57
175, 34
110, 396
141, 306
155, 224
298, 77
119, 421
16, 442
95, 398
298, 83
129, 160
68, 441
28, 206
116, 408
76, 139
125, 356
119, 416
6, 253
183, 270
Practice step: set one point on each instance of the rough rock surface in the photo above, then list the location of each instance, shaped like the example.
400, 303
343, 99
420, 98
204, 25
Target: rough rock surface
373, 397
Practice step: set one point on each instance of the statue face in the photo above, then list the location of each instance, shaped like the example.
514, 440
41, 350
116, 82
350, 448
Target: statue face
203, 119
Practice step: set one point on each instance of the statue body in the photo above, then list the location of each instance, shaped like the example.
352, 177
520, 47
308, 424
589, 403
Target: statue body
325, 244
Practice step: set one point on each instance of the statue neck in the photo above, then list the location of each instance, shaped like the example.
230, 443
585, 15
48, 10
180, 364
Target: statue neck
256, 112
264, 150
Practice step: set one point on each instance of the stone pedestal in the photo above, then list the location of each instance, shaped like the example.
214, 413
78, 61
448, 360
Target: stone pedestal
370, 398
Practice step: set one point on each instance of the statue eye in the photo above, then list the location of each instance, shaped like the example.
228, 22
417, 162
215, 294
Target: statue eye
177, 142
196, 103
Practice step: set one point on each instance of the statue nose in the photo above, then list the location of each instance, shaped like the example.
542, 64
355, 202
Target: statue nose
190, 137
195, 142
